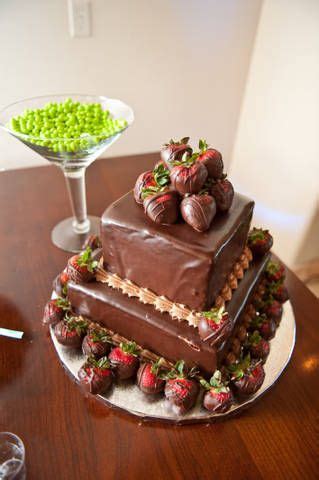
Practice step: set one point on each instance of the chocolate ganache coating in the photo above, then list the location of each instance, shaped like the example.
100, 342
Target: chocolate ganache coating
157, 331
193, 266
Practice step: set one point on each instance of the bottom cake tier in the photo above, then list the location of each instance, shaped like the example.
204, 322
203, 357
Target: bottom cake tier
123, 339
159, 332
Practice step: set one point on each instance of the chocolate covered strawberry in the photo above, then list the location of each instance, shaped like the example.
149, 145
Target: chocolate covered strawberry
278, 291
223, 193
180, 390
96, 342
151, 182
214, 325
60, 284
259, 241
55, 310
96, 375
275, 272
265, 326
258, 347
162, 207
188, 176
212, 159
173, 151
273, 309
70, 332
198, 211
93, 241
258, 301
247, 376
144, 181
124, 360
150, 378
81, 268
218, 397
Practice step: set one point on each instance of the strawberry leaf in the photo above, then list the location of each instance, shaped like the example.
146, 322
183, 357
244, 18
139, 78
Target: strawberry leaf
161, 175
205, 384
103, 363
63, 303
254, 338
85, 260
146, 192
129, 347
215, 314
202, 145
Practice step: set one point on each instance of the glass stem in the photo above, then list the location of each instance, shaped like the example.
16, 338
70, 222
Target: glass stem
75, 181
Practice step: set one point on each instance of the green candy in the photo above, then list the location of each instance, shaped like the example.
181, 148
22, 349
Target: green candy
58, 126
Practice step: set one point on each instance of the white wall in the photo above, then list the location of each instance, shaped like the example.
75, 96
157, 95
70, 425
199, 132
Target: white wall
276, 153
181, 64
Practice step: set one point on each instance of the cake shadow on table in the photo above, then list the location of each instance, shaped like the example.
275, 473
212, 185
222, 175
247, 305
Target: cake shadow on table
177, 293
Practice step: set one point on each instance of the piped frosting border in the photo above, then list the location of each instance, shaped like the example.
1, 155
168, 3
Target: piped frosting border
177, 311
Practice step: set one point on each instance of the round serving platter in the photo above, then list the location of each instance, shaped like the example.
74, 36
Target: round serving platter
128, 397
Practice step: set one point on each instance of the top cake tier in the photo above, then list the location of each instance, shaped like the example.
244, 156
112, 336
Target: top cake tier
186, 266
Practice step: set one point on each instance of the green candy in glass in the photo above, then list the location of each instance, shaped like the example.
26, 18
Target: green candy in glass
71, 133
67, 120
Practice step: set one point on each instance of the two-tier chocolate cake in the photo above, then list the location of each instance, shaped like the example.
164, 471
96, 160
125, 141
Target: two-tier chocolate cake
177, 290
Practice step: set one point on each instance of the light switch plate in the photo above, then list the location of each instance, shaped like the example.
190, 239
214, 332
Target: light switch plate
79, 18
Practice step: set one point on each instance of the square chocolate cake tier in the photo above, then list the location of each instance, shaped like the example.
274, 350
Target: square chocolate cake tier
176, 261
157, 331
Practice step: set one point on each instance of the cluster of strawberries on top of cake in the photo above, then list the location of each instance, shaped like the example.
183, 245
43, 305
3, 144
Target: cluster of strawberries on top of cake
187, 184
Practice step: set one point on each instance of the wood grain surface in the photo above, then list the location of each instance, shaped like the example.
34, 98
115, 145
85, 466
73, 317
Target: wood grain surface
70, 436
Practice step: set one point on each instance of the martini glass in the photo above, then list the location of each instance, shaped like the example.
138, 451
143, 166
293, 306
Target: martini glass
71, 233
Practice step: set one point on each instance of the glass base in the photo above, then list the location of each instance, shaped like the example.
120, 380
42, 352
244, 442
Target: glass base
64, 237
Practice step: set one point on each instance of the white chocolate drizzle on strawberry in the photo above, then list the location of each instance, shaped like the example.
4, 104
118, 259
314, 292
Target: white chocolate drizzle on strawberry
177, 311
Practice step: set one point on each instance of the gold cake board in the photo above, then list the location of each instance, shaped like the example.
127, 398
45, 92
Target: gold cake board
126, 396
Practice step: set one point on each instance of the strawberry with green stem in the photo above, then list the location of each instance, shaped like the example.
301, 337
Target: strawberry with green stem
273, 309
214, 324
211, 158
96, 375
265, 326
278, 291
275, 271
259, 241
258, 347
60, 284
96, 342
218, 397
150, 379
124, 360
158, 181
70, 332
188, 176
81, 267
55, 310
247, 376
145, 181
173, 151
180, 389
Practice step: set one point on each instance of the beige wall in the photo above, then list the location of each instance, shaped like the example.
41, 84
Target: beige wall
181, 64
276, 153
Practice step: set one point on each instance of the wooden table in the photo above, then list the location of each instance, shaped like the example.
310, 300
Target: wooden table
69, 436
